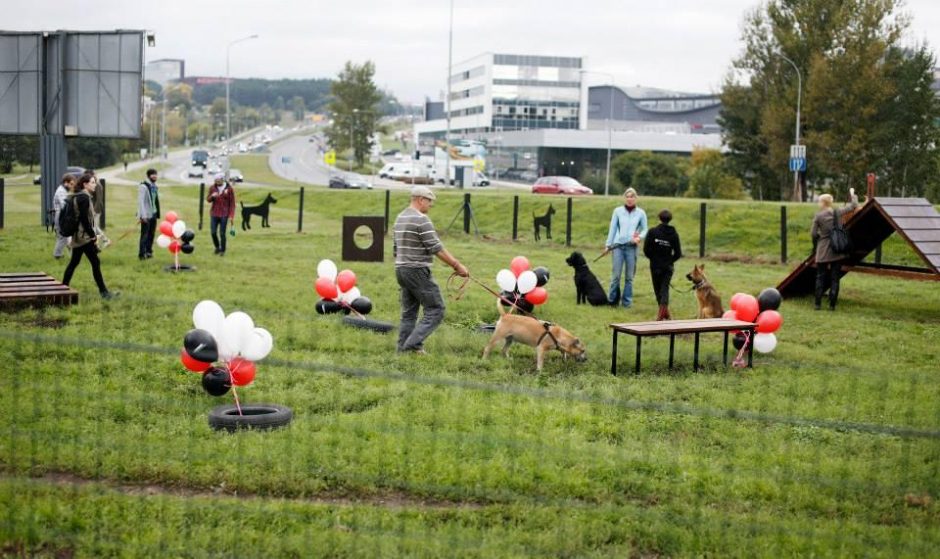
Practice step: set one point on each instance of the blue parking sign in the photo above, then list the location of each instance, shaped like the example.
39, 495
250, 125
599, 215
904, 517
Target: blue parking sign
797, 164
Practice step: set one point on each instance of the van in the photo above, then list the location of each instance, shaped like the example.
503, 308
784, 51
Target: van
200, 158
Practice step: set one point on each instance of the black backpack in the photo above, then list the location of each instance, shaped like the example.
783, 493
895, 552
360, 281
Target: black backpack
839, 239
68, 218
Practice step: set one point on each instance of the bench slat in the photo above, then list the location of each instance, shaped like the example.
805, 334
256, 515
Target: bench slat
666, 327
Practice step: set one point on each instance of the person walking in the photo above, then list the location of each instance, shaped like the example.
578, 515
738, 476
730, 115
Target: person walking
628, 229
828, 262
222, 198
663, 249
416, 243
84, 241
58, 202
148, 212
97, 203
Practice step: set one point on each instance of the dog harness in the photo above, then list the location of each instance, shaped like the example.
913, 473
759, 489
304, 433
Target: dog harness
548, 333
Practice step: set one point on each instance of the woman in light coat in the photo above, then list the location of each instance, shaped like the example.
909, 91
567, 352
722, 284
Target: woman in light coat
828, 261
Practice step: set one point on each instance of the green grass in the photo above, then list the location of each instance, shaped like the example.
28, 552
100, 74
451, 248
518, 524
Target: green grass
447, 455
255, 169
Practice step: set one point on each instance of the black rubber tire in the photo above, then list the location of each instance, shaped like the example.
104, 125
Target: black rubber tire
254, 416
367, 324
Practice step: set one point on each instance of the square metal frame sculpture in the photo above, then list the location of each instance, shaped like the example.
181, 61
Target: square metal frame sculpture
373, 253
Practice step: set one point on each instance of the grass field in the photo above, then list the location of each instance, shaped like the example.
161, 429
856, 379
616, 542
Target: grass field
829, 447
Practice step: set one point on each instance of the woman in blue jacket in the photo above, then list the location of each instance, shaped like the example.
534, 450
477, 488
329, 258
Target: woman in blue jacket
627, 232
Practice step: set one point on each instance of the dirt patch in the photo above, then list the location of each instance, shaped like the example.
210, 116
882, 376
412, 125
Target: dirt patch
20, 549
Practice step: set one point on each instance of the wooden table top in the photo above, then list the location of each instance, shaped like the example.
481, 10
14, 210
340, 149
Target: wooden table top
661, 327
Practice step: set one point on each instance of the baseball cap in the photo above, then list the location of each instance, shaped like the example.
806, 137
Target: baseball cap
423, 192
219, 176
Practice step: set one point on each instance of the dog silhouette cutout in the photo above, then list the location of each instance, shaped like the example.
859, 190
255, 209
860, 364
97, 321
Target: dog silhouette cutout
261, 209
539, 221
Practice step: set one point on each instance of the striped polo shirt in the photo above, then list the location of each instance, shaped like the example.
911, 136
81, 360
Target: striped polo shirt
416, 241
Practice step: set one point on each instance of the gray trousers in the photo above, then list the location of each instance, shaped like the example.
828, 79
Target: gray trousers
418, 289
60, 244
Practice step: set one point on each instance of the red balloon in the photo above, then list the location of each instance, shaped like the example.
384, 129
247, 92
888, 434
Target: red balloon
171, 217
167, 229
747, 307
174, 247
537, 296
519, 264
346, 280
769, 322
735, 298
193, 365
242, 370
730, 315
326, 288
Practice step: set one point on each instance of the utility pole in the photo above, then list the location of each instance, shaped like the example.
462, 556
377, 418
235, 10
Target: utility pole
163, 129
352, 145
797, 195
228, 80
450, 64
610, 123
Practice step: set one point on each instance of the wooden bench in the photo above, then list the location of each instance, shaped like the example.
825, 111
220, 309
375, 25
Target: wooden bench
34, 288
672, 328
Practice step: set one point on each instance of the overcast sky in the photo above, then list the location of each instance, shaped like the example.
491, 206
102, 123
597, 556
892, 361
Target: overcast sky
678, 44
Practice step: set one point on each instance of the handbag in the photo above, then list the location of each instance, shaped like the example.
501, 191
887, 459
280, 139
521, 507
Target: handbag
839, 239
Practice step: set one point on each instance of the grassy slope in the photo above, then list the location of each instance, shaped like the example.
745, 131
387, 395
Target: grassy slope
507, 462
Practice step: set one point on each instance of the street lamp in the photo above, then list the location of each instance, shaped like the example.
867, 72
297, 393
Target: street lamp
450, 64
352, 125
610, 121
797, 196
228, 113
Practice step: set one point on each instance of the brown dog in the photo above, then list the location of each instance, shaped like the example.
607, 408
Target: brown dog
709, 302
543, 336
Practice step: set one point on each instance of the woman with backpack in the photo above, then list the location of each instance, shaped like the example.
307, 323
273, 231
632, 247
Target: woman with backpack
78, 218
828, 260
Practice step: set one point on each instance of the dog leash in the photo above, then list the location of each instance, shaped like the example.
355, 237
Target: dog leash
461, 289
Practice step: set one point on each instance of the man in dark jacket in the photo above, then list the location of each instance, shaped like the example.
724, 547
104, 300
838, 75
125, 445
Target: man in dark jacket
148, 213
663, 249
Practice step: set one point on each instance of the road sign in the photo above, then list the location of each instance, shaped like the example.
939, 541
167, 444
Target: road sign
330, 157
479, 165
797, 164
285, 159
797, 152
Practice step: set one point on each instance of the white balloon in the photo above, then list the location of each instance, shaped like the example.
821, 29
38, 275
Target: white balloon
765, 343
506, 280
208, 315
179, 227
259, 346
238, 331
327, 269
163, 241
351, 295
527, 281
226, 353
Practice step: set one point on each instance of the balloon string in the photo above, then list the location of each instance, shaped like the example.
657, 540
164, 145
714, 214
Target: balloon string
739, 358
460, 291
231, 378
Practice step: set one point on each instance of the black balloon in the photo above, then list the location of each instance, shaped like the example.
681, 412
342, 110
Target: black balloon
330, 307
201, 346
518, 299
769, 300
216, 381
188, 236
362, 305
542, 275
739, 340
187, 248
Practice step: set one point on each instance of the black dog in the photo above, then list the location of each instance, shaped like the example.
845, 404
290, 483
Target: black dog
585, 282
261, 210
539, 221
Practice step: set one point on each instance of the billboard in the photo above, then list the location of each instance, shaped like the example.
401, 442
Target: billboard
86, 83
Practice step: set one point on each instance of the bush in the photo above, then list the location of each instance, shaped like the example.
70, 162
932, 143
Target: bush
651, 174
709, 177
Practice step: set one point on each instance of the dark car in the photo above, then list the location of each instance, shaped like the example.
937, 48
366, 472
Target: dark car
200, 157
76, 171
559, 185
349, 180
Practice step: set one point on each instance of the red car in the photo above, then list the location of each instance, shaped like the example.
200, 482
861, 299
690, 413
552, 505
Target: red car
559, 185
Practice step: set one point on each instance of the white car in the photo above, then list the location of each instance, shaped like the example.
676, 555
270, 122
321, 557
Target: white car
196, 172
235, 175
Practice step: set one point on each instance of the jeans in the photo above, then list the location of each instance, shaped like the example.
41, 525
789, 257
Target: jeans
90, 251
827, 276
661, 279
217, 225
418, 289
60, 244
147, 231
623, 257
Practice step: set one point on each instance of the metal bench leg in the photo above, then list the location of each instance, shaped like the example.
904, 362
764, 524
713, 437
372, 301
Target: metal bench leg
613, 355
672, 348
639, 346
725, 355
695, 354
750, 350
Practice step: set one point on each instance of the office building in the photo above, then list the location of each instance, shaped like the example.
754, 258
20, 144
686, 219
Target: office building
165, 70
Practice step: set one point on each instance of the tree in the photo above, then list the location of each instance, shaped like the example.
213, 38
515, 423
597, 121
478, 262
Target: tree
651, 174
709, 177
178, 95
298, 108
355, 109
842, 48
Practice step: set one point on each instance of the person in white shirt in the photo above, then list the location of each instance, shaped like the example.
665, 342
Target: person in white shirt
58, 201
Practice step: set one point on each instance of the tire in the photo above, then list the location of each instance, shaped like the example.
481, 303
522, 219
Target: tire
366, 324
255, 416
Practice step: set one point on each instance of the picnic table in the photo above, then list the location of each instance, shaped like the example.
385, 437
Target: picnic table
672, 328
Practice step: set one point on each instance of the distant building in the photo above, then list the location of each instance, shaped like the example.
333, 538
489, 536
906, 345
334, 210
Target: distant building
433, 110
165, 70
651, 109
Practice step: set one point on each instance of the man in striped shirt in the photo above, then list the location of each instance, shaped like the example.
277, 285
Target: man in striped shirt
416, 244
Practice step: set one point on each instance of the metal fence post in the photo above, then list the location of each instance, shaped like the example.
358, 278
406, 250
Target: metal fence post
466, 213
101, 193
783, 234
515, 217
701, 231
388, 203
202, 202
568, 225
878, 254
300, 212
2, 201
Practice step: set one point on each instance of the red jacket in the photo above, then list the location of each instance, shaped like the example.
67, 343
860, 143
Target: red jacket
222, 205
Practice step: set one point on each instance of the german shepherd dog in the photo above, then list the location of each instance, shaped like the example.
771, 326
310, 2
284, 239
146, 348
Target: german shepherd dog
709, 302
261, 210
588, 289
539, 221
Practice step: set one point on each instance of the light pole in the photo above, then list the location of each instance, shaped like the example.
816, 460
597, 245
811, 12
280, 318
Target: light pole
228, 112
797, 195
450, 64
610, 122
352, 126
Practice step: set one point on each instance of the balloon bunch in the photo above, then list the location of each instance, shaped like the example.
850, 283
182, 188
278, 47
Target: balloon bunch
175, 237
522, 286
761, 310
338, 291
224, 348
